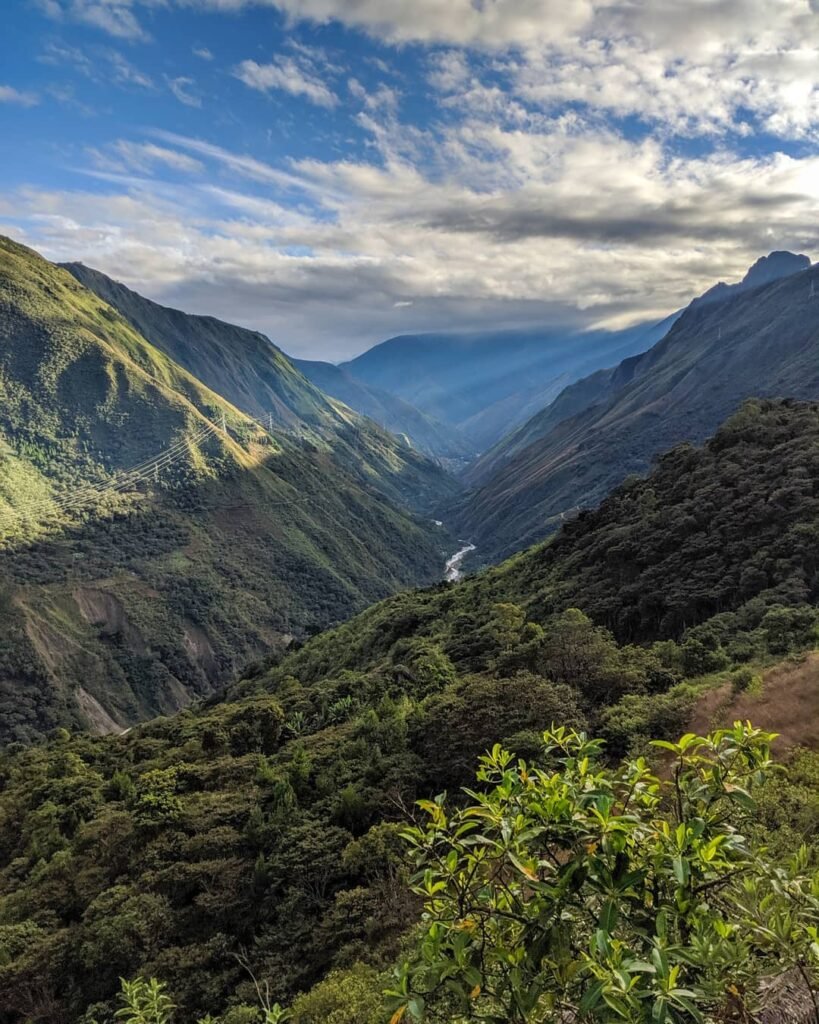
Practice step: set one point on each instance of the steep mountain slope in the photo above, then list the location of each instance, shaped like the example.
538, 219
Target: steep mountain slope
124, 594
249, 371
438, 440
710, 530
488, 382
266, 826
600, 387
755, 341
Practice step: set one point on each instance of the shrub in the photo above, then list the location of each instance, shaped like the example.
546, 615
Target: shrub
570, 891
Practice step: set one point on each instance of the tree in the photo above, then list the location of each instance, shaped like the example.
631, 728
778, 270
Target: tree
576, 892
144, 1002
147, 1002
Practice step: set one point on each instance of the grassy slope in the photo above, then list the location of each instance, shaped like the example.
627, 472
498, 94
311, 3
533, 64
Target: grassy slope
248, 370
786, 701
134, 603
760, 342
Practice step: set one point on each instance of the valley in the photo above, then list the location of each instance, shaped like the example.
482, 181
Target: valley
266, 819
215, 652
409, 512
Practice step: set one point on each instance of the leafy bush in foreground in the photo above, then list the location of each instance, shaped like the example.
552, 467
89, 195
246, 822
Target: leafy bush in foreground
575, 892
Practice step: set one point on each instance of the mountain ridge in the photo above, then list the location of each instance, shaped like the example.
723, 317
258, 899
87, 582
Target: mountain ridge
258, 378
760, 341
123, 594
439, 441
485, 383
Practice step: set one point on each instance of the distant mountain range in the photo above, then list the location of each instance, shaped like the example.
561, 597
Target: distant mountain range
438, 440
757, 338
484, 384
175, 499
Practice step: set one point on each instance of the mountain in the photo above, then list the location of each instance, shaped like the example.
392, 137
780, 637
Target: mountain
153, 537
437, 440
757, 339
248, 370
260, 831
772, 267
488, 382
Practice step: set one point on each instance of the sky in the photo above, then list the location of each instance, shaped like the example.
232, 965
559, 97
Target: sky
336, 172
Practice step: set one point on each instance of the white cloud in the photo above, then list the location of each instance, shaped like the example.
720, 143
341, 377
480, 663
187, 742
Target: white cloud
527, 192
180, 87
103, 65
287, 74
125, 73
114, 17
572, 225
383, 97
8, 94
238, 163
125, 155
493, 23
692, 66
202, 52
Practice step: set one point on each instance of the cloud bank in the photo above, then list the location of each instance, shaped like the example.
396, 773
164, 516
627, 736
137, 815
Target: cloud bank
582, 162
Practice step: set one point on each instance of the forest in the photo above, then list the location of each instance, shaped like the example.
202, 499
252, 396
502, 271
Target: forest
263, 833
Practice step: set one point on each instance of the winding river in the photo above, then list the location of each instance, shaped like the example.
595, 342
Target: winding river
452, 572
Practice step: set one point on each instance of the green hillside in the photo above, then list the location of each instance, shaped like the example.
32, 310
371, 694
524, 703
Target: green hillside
248, 370
734, 343
122, 594
260, 832
716, 533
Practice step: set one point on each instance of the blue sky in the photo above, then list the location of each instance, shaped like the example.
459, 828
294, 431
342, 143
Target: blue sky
334, 172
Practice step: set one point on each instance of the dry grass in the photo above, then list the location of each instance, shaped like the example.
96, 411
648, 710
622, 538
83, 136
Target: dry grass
788, 704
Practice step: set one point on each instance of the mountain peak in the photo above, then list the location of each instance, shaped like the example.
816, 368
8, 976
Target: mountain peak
774, 266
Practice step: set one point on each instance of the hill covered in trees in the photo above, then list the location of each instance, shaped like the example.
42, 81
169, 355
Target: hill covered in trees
258, 832
153, 537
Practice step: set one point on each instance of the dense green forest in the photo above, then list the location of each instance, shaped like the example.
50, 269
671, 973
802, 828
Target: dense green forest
259, 832
718, 544
125, 594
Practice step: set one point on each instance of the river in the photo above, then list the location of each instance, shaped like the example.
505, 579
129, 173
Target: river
452, 572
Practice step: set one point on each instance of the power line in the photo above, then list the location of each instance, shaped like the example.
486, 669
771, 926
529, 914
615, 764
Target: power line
135, 474
140, 471
138, 474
